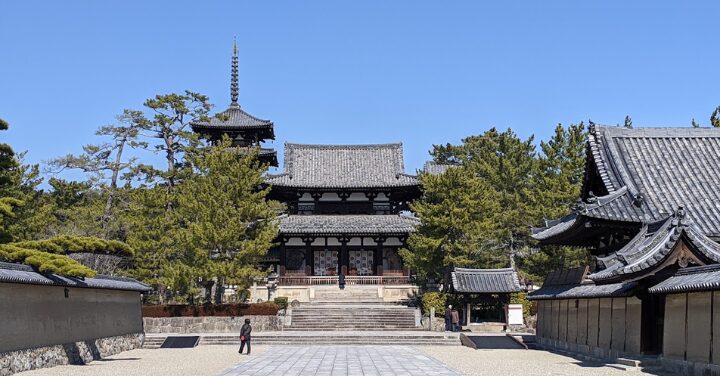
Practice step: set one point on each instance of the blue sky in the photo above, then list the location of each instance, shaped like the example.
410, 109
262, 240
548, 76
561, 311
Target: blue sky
420, 72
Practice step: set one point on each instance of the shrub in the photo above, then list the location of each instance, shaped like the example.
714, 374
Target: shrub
281, 302
183, 310
521, 298
437, 300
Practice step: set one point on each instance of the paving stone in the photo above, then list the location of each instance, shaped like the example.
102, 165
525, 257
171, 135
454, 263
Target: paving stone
341, 361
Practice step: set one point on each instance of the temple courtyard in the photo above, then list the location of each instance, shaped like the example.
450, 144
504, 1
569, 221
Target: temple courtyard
333, 360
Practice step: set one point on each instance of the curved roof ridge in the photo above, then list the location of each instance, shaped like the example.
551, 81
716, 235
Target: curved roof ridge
344, 146
496, 270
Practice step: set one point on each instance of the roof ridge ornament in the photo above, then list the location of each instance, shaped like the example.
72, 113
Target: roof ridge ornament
234, 87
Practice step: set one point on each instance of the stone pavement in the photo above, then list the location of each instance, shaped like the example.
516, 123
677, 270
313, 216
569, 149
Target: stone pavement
342, 361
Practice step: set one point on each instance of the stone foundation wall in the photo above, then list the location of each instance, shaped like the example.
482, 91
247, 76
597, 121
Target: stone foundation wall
210, 324
70, 353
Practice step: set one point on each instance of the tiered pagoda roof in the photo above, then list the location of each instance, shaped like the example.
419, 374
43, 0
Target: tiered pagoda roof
343, 167
244, 129
348, 224
643, 176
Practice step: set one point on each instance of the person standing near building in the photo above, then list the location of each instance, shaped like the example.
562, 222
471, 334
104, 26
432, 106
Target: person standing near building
245, 333
448, 318
455, 320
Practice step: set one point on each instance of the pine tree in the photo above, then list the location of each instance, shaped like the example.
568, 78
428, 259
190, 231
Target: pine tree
228, 225
7, 179
106, 162
455, 228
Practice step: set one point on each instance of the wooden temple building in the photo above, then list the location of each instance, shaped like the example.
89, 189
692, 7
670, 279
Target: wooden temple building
650, 214
346, 209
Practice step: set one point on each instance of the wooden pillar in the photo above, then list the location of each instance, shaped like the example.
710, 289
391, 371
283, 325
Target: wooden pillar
283, 257
467, 315
344, 258
309, 270
378, 256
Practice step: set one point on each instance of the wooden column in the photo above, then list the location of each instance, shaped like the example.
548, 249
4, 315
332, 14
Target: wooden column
378, 255
283, 257
309, 270
344, 258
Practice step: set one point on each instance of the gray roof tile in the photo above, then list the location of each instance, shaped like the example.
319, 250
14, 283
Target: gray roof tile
650, 173
343, 166
348, 224
485, 280
652, 246
18, 273
233, 118
434, 168
702, 278
588, 290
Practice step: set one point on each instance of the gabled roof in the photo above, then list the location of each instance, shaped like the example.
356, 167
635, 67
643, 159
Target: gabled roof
657, 245
343, 166
487, 281
347, 224
647, 174
18, 273
233, 118
663, 168
701, 278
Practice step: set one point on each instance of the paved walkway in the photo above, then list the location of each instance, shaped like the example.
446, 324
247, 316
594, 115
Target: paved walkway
342, 361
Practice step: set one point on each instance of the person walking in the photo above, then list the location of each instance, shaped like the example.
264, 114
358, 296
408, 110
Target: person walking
448, 318
455, 320
245, 332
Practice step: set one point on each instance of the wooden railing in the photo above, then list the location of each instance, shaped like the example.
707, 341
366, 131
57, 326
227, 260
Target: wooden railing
349, 280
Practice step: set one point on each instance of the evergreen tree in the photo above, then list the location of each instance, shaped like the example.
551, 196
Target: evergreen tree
106, 163
455, 228
7, 179
169, 126
227, 224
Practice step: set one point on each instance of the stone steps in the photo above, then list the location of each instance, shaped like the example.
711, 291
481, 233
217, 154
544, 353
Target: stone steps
413, 338
152, 342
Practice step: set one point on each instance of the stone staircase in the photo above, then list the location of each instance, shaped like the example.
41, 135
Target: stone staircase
352, 317
153, 342
295, 338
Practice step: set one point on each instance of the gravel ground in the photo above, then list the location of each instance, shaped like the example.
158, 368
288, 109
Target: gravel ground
199, 361
212, 360
515, 362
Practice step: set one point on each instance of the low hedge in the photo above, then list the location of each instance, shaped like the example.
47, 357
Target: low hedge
184, 310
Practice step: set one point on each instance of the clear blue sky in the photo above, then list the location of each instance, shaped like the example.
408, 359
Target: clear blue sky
420, 72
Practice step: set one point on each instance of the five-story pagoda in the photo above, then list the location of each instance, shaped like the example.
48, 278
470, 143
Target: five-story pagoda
245, 130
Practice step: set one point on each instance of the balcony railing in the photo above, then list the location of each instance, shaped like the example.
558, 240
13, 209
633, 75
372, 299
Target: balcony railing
349, 280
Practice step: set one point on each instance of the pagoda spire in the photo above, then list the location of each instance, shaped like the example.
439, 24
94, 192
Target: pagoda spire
234, 77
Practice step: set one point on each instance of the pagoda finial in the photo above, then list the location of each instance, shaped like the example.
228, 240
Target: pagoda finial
234, 77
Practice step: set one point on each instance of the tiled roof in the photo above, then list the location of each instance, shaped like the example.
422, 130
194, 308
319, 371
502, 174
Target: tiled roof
588, 290
343, 166
233, 118
18, 273
434, 168
651, 172
571, 276
485, 280
701, 278
652, 246
348, 224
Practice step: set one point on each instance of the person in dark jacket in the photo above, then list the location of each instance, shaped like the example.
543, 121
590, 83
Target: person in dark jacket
245, 332
448, 318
